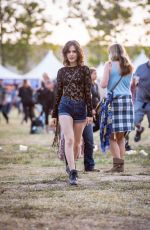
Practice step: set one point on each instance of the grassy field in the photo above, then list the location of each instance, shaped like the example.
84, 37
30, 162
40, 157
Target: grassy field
34, 193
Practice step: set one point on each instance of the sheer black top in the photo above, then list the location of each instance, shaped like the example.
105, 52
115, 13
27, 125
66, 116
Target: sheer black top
79, 87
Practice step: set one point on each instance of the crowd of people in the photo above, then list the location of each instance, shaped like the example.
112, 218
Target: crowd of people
75, 104
33, 104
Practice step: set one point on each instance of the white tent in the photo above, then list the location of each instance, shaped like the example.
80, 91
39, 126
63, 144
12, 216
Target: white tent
140, 59
8, 75
49, 65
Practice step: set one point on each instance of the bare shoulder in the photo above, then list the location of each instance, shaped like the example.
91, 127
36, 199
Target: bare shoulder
108, 64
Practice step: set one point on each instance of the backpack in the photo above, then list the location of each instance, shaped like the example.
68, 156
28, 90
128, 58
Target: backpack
36, 126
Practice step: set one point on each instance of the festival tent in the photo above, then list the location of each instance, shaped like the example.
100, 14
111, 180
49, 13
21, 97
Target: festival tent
140, 59
50, 65
8, 76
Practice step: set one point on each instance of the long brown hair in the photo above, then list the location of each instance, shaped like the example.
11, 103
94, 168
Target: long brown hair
118, 53
78, 50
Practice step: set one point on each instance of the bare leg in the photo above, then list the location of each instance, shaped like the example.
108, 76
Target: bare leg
66, 124
121, 144
78, 130
117, 147
114, 148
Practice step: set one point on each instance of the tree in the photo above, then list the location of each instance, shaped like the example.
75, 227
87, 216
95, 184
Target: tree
105, 22
103, 19
5, 15
145, 5
22, 22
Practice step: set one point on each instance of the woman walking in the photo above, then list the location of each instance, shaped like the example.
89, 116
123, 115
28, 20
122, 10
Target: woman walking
26, 95
119, 68
73, 105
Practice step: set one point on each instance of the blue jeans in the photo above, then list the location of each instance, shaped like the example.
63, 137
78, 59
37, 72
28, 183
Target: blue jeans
88, 147
140, 109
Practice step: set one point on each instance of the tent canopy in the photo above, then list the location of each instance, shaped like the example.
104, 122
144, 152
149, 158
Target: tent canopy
6, 74
49, 65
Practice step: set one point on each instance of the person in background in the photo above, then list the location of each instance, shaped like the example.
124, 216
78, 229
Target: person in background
26, 95
119, 68
17, 99
46, 99
133, 93
73, 104
9, 98
3, 101
88, 130
142, 99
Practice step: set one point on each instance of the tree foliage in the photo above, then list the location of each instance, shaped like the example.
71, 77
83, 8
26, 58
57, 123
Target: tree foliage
22, 23
106, 18
146, 6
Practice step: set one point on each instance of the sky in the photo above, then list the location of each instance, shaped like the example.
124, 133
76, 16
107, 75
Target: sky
63, 33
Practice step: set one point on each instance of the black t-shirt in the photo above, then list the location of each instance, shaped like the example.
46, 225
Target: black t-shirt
26, 94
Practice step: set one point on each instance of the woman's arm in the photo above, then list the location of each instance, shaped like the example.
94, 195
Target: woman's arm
58, 94
105, 78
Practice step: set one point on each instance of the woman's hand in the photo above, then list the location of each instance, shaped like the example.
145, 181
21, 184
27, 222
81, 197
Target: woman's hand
94, 114
89, 120
53, 122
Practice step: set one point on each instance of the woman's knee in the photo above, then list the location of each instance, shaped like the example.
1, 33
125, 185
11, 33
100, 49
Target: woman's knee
117, 136
69, 140
77, 146
120, 136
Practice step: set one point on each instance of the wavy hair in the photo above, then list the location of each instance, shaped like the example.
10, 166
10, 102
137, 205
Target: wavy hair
118, 53
78, 49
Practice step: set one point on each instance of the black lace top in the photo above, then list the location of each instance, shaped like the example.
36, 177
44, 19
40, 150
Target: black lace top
79, 88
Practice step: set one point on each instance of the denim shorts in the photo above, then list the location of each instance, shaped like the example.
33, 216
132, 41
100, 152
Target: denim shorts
73, 108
